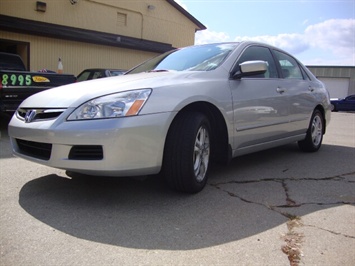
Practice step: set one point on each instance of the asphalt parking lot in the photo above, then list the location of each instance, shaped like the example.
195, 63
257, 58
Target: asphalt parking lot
269, 208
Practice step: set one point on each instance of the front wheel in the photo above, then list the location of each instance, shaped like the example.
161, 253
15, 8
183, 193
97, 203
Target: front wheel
187, 152
314, 136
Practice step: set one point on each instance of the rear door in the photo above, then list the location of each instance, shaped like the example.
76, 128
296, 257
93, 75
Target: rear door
298, 88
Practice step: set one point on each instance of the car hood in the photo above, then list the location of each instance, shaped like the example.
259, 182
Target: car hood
73, 95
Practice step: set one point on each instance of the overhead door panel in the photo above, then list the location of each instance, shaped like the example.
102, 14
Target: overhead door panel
337, 87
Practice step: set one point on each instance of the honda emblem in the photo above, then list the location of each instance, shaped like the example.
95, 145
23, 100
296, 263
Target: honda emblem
30, 115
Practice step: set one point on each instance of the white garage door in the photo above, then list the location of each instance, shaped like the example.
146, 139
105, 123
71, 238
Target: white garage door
337, 87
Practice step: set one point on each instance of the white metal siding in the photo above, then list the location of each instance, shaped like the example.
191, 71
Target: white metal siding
337, 87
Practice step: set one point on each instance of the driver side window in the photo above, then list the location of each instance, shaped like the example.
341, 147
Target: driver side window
260, 53
289, 66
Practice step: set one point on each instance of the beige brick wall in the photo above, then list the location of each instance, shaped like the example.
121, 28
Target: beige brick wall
131, 18
162, 24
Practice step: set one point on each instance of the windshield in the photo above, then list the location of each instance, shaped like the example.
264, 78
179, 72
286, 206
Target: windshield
194, 58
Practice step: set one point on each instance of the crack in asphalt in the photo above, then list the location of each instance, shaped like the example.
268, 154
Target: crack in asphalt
340, 177
330, 231
292, 239
290, 203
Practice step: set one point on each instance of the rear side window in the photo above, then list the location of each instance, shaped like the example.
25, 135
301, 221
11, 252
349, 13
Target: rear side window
289, 66
96, 75
260, 53
305, 75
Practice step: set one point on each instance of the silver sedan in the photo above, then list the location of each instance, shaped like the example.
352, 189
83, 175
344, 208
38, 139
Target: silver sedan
175, 114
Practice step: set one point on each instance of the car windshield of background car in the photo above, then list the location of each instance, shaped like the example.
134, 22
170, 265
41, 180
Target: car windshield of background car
194, 58
83, 76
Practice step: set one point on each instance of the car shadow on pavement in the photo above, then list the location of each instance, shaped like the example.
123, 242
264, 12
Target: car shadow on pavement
253, 194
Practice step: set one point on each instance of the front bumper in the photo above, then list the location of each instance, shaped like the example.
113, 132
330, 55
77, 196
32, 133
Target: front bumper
129, 145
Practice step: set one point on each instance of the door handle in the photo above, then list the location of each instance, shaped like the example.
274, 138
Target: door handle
280, 90
310, 89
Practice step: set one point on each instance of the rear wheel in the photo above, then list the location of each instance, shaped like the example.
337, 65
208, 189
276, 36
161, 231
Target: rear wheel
187, 152
332, 108
314, 136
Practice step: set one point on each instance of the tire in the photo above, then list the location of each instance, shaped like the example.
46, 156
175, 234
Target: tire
333, 108
314, 137
187, 152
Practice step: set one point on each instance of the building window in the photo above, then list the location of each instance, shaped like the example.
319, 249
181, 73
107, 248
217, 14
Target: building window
121, 19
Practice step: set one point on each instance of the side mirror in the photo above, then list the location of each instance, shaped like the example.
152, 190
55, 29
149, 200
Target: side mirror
250, 68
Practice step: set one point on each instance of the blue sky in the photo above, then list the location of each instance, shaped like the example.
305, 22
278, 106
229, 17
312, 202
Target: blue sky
316, 32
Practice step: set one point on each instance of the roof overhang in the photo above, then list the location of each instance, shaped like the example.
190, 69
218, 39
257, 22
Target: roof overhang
199, 25
25, 26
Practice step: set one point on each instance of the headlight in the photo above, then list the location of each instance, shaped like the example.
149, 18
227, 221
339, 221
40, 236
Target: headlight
114, 105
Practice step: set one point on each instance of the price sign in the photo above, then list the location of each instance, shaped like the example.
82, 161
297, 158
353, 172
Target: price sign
16, 80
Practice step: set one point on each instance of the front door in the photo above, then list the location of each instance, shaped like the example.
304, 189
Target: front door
259, 103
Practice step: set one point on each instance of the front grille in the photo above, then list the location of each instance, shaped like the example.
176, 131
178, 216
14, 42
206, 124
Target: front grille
86, 152
39, 114
35, 149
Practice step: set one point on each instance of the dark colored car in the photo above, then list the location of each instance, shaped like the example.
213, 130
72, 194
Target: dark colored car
17, 84
95, 73
347, 104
